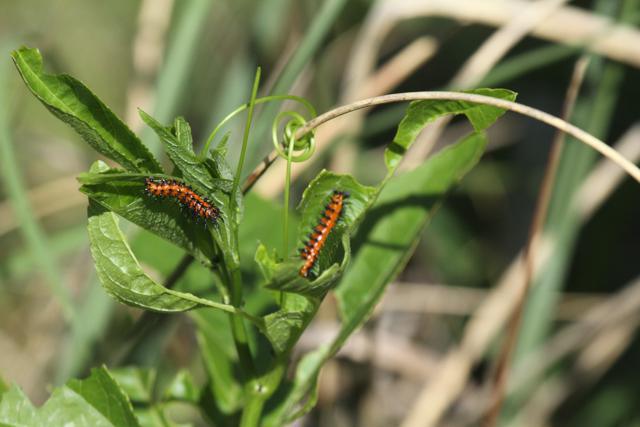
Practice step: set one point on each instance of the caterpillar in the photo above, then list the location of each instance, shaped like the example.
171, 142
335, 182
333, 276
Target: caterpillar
200, 207
318, 237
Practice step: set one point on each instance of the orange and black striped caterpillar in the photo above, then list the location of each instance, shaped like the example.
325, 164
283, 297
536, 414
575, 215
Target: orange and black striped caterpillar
318, 237
199, 207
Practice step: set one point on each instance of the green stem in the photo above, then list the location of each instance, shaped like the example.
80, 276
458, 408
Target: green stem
238, 327
252, 412
241, 341
231, 309
245, 141
261, 390
243, 107
287, 183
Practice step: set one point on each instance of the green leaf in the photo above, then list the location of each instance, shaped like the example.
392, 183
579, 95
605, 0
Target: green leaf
284, 276
102, 392
96, 401
182, 388
136, 382
217, 162
385, 243
421, 113
178, 143
253, 230
403, 209
283, 327
151, 417
220, 360
74, 104
210, 176
154, 416
123, 278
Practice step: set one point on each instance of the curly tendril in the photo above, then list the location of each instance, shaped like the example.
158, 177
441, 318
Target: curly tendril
296, 122
306, 144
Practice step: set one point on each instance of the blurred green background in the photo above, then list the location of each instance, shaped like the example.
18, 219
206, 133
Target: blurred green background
197, 58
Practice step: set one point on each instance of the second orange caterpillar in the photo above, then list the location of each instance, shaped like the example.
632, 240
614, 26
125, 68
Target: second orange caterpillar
318, 237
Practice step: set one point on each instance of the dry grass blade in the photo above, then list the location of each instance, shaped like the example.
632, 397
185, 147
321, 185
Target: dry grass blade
47, 199
482, 61
450, 300
154, 17
611, 313
500, 42
598, 33
605, 177
602, 334
386, 351
568, 24
487, 321
535, 232
491, 316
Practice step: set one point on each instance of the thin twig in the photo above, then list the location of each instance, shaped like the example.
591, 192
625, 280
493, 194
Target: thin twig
383, 80
540, 214
259, 171
515, 107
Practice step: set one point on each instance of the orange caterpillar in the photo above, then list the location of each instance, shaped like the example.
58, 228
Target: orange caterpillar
200, 207
318, 237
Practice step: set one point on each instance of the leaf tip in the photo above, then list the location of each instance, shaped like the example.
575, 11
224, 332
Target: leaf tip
30, 53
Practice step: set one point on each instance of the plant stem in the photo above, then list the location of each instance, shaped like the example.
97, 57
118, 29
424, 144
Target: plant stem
287, 184
245, 140
238, 328
253, 408
271, 98
252, 412
234, 278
